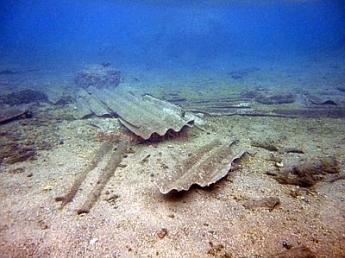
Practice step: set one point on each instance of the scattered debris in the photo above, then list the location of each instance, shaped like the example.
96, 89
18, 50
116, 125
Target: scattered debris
286, 245
98, 76
267, 145
48, 187
337, 178
296, 252
206, 166
17, 171
10, 114
270, 145
42, 224
268, 202
14, 153
112, 198
144, 160
276, 99
279, 164
317, 112
174, 97
218, 251
293, 150
122, 135
307, 173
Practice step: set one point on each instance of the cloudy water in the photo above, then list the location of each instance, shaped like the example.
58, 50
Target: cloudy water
190, 37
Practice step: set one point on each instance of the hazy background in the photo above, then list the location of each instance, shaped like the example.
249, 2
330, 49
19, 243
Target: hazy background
167, 34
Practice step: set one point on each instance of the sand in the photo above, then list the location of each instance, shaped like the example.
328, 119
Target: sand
133, 219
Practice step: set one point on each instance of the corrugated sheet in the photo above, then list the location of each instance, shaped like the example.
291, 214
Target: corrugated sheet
143, 115
206, 166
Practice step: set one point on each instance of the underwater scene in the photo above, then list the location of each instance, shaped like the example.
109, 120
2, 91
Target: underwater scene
159, 128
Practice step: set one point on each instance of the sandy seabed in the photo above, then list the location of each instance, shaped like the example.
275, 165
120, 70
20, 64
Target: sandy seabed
133, 219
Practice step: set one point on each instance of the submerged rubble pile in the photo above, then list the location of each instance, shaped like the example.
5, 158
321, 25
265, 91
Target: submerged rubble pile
22, 139
11, 151
9, 114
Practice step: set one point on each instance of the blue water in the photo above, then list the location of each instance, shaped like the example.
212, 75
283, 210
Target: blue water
164, 36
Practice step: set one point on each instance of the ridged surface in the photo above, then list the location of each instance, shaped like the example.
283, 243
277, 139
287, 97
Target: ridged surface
206, 166
143, 115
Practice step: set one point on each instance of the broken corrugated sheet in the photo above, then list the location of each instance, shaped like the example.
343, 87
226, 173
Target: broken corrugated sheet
8, 114
206, 166
94, 105
143, 115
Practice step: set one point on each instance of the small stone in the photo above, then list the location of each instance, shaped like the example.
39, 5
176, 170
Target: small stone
267, 202
47, 188
162, 233
164, 166
30, 175
17, 171
93, 241
43, 225
287, 245
279, 164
